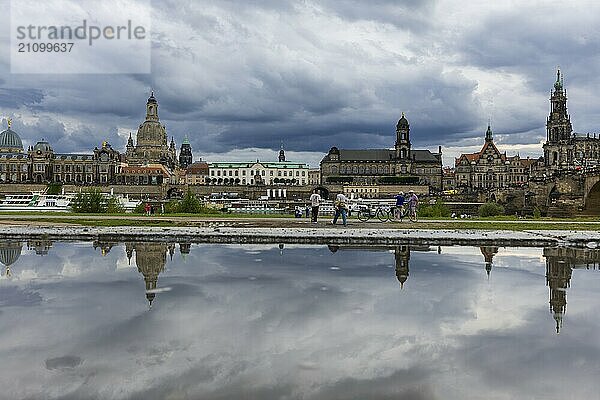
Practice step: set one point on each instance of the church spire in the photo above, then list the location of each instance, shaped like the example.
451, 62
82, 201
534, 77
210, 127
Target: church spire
558, 125
489, 137
558, 85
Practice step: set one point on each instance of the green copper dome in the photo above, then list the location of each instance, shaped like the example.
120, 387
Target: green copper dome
10, 140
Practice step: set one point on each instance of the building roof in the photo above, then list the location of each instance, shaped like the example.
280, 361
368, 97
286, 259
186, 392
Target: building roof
474, 157
42, 146
384, 155
198, 166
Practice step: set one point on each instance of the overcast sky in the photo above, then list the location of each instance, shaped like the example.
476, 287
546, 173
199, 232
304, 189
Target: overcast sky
240, 77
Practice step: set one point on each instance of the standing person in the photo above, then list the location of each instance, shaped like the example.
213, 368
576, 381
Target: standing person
147, 209
307, 210
315, 202
413, 203
398, 210
341, 208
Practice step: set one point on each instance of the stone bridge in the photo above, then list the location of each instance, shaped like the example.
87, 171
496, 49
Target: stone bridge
567, 194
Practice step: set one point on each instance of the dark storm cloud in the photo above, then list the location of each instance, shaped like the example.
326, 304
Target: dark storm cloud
239, 74
14, 98
80, 138
534, 38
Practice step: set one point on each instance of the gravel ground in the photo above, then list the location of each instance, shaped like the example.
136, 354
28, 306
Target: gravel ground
220, 232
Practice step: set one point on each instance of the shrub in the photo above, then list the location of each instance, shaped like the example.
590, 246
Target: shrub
537, 213
490, 209
172, 207
436, 210
140, 208
89, 201
189, 204
114, 207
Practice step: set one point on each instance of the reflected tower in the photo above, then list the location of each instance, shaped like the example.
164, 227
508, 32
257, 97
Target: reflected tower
41, 247
150, 259
402, 256
558, 279
488, 255
185, 248
104, 247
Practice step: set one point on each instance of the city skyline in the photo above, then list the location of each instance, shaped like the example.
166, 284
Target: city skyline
239, 79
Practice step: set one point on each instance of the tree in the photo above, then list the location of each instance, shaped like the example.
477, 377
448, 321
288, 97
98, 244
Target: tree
437, 210
189, 204
490, 209
89, 201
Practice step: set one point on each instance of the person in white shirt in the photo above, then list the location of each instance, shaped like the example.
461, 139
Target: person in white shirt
315, 202
341, 208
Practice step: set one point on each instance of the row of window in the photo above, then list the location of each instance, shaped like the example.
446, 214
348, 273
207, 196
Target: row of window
254, 173
56, 168
243, 181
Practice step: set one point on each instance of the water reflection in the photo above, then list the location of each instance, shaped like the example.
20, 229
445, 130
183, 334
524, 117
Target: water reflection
287, 321
150, 258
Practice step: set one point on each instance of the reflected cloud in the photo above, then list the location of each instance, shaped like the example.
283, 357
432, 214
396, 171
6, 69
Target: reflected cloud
311, 322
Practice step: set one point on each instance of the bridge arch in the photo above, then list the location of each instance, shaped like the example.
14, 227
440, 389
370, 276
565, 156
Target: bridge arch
592, 198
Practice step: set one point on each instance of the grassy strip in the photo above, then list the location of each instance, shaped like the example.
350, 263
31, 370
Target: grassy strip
501, 226
456, 225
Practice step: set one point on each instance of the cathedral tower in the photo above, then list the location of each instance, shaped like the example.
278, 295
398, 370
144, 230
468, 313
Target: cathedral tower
558, 149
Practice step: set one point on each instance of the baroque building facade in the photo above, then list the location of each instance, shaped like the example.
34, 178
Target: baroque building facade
565, 150
490, 169
281, 172
402, 164
41, 164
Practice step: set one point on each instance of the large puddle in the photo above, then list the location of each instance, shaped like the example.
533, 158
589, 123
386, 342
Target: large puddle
176, 321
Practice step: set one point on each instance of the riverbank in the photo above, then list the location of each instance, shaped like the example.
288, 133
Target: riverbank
194, 220
338, 235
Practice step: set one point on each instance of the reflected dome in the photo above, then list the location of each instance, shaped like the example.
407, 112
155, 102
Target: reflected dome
10, 252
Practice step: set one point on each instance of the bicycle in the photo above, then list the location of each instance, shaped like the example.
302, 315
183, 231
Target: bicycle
412, 213
398, 213
366, 213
